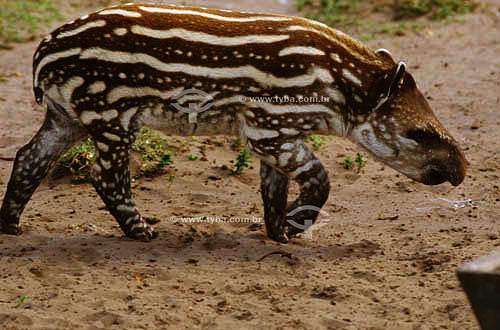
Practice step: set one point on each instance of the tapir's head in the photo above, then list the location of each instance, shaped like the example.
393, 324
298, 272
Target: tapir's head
402, 131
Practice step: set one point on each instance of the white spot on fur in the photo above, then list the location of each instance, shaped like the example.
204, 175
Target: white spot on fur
259, 133
287, 146
127, 116
97, 87
324, 75
109, 115
97, 167
249, 114
69, 88
284, 158
301, 51
111, 137
301, 154
102, 146
289, 131
307, 167
87, 117
120, 31
105, 164
350, 76
126, 208
336, 95
336, 57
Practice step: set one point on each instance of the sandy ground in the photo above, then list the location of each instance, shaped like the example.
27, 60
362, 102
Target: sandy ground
386, 260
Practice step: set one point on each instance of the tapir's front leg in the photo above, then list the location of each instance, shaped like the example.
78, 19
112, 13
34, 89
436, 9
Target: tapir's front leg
312, 178
293, 160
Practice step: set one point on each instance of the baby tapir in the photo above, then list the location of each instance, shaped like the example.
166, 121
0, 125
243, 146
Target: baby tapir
270, 79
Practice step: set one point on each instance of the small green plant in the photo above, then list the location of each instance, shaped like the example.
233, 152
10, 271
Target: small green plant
171, 177
20, 20
157, 167
360, 162
192, 157
317, 141
356, 16
348, 163
332, 12
435, 9
20, 301
78, 162
242, 160
165, 160
150, 144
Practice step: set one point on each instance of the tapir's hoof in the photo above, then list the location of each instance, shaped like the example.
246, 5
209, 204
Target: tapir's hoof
11, 228
142, 232
293, 231
280, 237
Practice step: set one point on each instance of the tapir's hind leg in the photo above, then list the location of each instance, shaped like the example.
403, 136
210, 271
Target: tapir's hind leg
111, 179
33, 161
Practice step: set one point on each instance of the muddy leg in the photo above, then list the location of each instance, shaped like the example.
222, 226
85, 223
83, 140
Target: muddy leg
34, 160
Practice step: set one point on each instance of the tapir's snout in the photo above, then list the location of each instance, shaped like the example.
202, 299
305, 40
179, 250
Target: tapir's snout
451, 167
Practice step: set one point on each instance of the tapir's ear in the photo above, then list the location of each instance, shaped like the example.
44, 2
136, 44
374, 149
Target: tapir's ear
398, 78
389, 84
385, 55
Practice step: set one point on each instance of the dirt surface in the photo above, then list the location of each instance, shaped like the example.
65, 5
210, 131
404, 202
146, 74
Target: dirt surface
385, 260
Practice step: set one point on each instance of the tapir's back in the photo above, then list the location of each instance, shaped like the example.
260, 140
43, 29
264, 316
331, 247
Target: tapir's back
140, 50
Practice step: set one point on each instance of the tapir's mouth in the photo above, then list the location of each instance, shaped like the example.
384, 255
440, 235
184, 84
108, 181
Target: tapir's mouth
434, 177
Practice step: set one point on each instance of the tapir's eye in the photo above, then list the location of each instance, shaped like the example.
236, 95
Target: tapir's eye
421, 136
